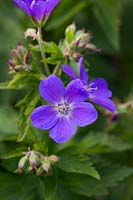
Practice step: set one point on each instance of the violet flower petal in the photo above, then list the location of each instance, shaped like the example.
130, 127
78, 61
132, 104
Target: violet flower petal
82, 73
63, 130
75, 92
28, 2
23, 6
51, 4
44, 117
101, 87
52, 89
69, 71
38, 9
104, 102
84, 114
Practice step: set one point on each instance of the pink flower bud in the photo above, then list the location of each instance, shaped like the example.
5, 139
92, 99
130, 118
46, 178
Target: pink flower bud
13, 52
33, 159
22, 163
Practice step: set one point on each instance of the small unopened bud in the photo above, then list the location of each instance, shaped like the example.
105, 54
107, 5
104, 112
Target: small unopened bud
20, 59
33, 159
46, 166
22, 163
11, 63
31, 33
76, 55
27, 56
13, 52
17, 67
71, 27
81, 35
19, 48
92, 47
54, 158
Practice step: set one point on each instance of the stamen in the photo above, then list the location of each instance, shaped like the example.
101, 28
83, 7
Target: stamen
64, 108
91, 88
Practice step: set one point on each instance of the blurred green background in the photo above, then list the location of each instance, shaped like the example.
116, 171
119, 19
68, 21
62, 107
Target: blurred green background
110, 21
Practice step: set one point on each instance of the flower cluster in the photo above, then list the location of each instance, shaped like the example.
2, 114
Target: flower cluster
67, 108
76, 42
20, 59
34, 160
96, 89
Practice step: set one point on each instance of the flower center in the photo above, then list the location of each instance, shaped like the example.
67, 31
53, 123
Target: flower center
64, 108
91, 87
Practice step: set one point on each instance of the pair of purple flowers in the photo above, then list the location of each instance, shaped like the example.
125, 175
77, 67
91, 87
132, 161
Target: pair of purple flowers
37, 9
67, 108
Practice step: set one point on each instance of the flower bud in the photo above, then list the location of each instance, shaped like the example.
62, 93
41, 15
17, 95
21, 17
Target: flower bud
46, 166
13, 52
22, 163
71, 28
20, 59
31, 33
33, 159
53, 158
27, 56
19, 48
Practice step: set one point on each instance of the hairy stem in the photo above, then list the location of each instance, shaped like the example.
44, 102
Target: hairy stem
40, 42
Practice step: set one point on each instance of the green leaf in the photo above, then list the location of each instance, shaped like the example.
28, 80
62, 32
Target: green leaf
69, 34
65, 16
108, 14
75, 164
13, 187
18, 152
56, 53
25, 124
33, 103
48, 187
84, 185
103, 143
111, 175
4, 86
8, 123
24, 79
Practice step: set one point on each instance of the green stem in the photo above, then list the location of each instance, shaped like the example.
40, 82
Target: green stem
56, 70
40, 41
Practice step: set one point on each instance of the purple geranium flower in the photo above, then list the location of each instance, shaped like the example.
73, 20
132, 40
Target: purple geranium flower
67, 109
97, 89
37, 9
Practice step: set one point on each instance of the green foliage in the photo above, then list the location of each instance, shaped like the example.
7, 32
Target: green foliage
11, 186
8, 132
97, 163
109, 21
56, 54
86, 186
78, 165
